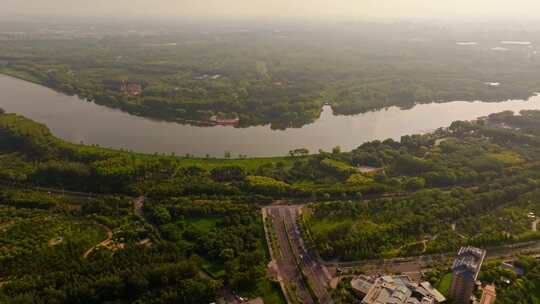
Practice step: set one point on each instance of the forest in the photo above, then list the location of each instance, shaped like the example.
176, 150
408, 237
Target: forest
94, 244
171, 251
511, 287
122, 226
278, 77
477, 186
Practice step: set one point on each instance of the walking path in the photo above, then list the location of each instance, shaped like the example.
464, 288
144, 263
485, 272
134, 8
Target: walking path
534, 225
138, 205
105, 242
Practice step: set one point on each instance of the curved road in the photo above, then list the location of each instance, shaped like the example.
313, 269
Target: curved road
105, 242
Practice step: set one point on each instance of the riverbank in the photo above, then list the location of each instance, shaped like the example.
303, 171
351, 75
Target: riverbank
76, 121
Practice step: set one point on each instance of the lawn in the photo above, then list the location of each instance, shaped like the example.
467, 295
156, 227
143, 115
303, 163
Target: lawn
203, 223
327, 225
249, 164
444, 284
215, 270
271, 292
330, 225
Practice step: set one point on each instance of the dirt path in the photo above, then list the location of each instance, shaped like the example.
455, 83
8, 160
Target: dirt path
138, 205
105, 242
534, 225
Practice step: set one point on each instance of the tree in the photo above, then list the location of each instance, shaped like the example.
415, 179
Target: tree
415, 183
226, 254
228, 174
460, 127
161, 215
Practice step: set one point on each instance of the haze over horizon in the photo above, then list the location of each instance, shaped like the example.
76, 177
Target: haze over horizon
314, 9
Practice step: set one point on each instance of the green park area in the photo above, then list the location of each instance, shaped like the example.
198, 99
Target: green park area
202, 217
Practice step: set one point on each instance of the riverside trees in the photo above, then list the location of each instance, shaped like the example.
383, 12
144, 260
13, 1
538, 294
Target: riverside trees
476, 186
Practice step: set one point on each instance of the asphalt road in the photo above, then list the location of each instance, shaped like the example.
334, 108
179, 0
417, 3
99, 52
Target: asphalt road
294, 254
286, 262
415, 265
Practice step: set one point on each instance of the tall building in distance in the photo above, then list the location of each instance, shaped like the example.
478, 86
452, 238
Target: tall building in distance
488, 294
465, 272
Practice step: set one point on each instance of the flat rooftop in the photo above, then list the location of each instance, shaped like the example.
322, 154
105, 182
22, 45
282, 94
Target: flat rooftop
399, 289
470, 258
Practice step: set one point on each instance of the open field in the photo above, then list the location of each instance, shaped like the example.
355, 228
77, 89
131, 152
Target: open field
444, 284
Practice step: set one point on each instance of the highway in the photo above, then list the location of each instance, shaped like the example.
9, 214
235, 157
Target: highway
311, 276
415, 265
286, 262
295, 265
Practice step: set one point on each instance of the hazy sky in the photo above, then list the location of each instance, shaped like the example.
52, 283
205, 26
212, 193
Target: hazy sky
432, 9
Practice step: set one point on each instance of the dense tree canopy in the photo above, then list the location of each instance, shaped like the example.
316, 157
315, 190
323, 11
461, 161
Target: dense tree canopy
283, 78
198, 229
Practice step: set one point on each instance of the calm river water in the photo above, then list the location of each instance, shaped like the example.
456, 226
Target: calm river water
75, 120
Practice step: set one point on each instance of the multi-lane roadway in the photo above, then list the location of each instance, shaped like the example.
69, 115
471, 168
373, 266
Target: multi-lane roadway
306, 280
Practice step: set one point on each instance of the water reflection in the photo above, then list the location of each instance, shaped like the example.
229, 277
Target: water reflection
77, 121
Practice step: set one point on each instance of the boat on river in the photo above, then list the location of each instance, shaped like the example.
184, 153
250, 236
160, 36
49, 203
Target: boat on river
224, 121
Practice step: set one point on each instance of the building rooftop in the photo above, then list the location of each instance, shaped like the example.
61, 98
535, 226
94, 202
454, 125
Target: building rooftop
395, 290
489, 294
434, 292
361, 284
469, 258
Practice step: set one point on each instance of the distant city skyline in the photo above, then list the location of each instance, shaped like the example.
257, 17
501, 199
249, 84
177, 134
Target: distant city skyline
361, 9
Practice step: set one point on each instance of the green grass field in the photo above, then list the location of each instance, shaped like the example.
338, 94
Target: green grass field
215, 270
203, 223
444, 284
248, 164
272, 293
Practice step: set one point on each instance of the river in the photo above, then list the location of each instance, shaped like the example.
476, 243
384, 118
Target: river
78, 121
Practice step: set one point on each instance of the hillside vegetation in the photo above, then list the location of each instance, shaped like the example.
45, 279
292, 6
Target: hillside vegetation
162, 229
